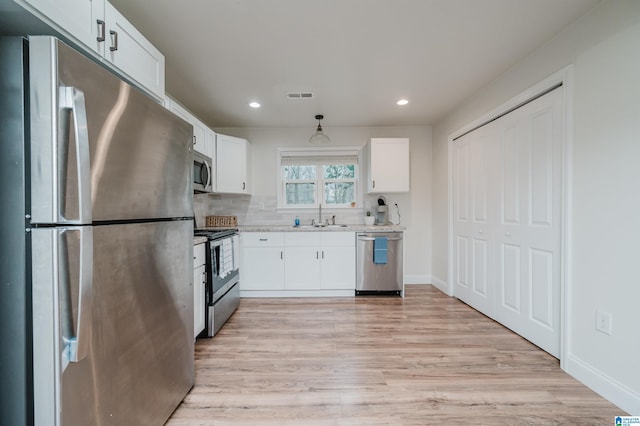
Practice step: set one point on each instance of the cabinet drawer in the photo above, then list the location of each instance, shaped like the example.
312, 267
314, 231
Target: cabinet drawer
199, 256
262, 239
302, 239
338, 239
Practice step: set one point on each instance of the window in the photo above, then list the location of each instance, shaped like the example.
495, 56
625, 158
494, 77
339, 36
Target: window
309, 178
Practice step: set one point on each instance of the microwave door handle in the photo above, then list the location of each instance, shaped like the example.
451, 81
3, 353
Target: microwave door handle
209, 177
73, 98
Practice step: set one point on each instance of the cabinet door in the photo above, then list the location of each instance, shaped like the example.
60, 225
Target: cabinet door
262, 268
133, 54
231, 165
388, 165
199, 282
199, 137
77, 18
302, 268
338, 268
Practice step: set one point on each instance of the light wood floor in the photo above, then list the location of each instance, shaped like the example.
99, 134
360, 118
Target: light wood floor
426, 359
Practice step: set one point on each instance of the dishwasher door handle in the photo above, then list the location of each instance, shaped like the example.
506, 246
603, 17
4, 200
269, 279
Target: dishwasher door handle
373, 238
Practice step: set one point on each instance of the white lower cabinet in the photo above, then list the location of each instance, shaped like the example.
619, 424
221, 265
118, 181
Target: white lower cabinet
338, 268
262, 268
304, 263
199, 283
262, 261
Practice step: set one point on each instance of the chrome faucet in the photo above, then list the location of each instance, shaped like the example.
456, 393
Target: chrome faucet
320, 214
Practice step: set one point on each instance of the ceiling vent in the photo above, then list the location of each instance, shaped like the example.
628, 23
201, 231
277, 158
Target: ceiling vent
300, 95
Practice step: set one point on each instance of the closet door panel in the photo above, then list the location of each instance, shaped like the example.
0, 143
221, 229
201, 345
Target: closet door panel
507, 184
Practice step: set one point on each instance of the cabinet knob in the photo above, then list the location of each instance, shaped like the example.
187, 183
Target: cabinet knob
507, 234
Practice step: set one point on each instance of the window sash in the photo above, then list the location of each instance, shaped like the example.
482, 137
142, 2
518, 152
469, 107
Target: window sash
319, 186
319, 159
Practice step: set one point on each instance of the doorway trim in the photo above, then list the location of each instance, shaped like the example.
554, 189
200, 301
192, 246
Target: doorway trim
565, 77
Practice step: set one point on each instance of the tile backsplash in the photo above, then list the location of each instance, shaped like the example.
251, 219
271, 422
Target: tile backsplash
262, 210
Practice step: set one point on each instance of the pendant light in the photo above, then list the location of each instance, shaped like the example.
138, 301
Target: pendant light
319, 138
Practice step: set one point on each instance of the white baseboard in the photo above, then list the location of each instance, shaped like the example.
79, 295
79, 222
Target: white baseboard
297, 293
622, 396
417, 279
441, 285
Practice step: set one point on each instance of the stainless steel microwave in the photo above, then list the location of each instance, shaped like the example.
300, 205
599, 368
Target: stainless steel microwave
202, 173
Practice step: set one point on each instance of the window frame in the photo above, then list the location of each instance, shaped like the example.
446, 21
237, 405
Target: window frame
319, 183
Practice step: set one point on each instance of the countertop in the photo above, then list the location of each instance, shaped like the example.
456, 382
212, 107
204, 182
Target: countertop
334, 228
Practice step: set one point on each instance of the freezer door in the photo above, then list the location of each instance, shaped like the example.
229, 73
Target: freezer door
138, 365
62, 321
101, 149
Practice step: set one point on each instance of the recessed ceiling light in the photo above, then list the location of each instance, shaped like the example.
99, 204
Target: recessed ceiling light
402, 102
254, 104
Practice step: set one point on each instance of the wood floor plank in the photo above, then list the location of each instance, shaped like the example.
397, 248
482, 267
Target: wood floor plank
422, 360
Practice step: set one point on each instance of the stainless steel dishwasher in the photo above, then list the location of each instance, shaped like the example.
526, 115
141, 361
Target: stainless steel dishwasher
379, 269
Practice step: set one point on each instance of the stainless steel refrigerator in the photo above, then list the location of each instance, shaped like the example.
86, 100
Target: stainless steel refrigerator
96, 303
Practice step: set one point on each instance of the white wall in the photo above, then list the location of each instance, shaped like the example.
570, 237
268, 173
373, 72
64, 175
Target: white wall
604, 221
415, 207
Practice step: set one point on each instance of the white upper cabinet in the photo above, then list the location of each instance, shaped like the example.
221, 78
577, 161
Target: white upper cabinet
131, 52
199, 141
388, 162
82, 20
98, 28
203, 137
233, 157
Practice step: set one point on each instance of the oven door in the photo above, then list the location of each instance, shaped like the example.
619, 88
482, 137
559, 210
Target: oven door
224, 265
201, 173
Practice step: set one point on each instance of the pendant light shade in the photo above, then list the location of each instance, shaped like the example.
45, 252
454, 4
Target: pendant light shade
319, 138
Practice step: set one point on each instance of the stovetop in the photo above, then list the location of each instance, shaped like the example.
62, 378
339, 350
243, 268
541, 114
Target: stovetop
213, 233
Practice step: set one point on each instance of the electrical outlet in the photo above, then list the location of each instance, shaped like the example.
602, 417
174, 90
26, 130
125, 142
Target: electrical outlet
604, 322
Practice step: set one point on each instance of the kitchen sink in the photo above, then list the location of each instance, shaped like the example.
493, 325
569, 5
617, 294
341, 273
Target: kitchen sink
321, 226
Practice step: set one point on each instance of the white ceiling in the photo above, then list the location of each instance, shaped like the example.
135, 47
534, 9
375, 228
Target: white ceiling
358, 57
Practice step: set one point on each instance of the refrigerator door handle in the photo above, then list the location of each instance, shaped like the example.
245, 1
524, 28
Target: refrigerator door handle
73, 98
76, 337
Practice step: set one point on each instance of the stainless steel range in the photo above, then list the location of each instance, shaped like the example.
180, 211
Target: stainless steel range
222, 294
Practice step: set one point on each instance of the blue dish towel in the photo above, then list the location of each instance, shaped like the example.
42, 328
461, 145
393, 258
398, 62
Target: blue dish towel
380, 250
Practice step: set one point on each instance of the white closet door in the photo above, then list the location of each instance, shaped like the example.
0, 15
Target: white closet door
529, 234
474, 274
507, 181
